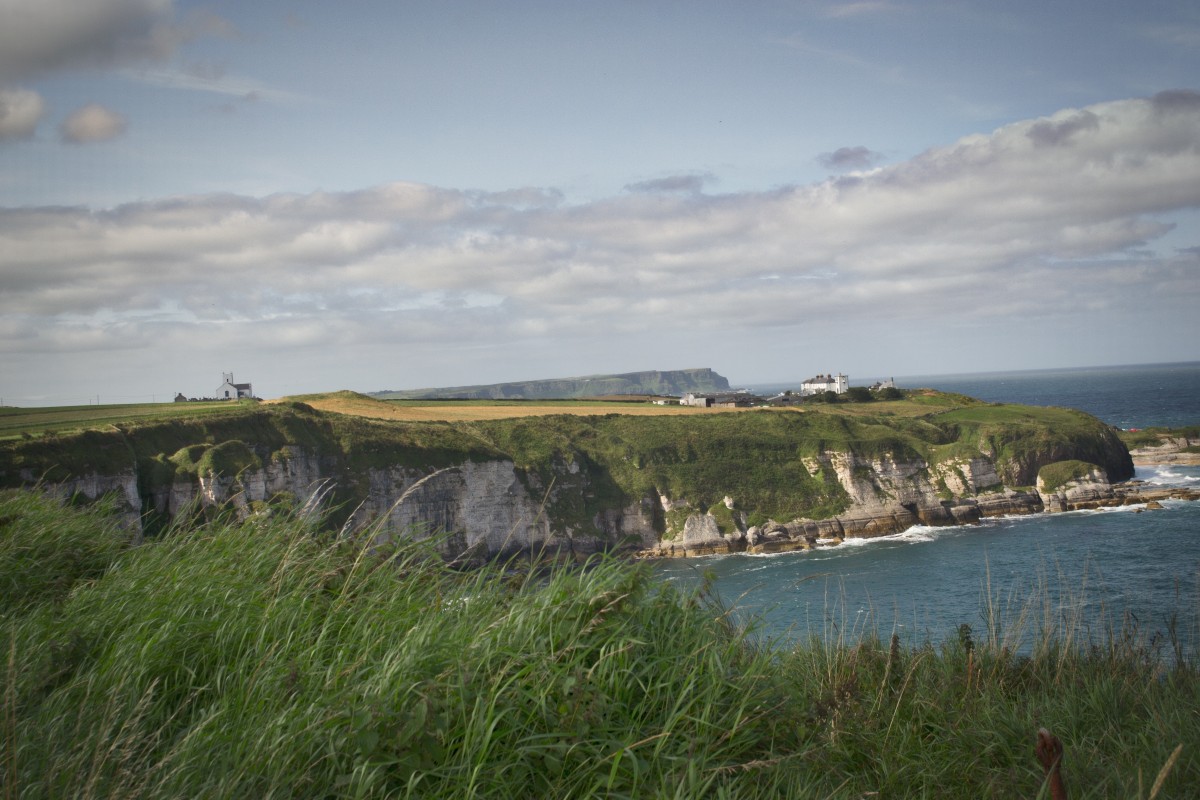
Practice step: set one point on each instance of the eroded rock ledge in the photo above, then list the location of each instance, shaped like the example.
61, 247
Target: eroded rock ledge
1180, 450
702, 536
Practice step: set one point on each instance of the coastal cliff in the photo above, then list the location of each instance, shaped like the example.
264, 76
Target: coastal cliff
759, 481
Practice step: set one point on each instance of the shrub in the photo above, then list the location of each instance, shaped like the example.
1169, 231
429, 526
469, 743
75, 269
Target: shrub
859, 394
1060, 473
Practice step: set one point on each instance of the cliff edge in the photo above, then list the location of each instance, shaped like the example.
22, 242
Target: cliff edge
758, 481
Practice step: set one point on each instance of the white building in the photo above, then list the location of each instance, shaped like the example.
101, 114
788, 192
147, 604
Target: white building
825, 383
701, 400
233, 391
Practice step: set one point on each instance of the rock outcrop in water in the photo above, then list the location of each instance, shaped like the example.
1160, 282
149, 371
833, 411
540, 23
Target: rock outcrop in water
661, 486
1171, 448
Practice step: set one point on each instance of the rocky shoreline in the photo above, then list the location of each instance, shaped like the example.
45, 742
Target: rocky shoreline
702, 535
1173, 450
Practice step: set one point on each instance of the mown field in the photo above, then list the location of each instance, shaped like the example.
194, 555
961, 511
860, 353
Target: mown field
915, 404
268, 659
360, 405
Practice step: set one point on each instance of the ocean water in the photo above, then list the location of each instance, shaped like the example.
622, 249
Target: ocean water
1083, 574
1166, 395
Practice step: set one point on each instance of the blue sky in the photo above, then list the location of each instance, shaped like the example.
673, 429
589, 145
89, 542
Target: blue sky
375, 195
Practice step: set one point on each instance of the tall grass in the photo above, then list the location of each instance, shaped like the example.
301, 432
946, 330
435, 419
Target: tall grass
957, 717
257, 660
264, 659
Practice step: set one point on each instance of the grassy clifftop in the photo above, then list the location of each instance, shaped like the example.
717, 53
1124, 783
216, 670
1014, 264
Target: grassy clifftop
767, 460
758, 457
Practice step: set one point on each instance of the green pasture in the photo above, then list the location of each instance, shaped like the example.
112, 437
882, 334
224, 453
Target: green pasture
18, 422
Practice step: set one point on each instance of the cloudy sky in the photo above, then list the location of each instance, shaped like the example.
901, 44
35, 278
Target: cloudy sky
379, 195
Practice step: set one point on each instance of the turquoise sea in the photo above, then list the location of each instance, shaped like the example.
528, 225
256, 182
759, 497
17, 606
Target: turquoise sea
1085, 572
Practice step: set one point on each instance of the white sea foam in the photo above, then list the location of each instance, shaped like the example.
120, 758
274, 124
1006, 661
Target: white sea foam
917, 534
914, 535
1175, 477
1169, 475
1085, 512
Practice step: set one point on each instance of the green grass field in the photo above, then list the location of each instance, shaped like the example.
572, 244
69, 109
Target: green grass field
264, 659
18, 422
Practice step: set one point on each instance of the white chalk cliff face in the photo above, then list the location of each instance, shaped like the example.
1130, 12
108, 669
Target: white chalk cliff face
486, 509
1087, 491
480, 509
474, 510
483, 507
121, 487
290, 472
890, 496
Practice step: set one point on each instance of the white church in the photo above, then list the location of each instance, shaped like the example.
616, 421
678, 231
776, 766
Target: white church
233, 391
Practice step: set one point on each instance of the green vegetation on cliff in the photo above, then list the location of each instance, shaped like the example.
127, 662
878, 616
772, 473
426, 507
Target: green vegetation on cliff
1156, 437
1060, 473
756, 457
769, 461
1021, 439
263, 659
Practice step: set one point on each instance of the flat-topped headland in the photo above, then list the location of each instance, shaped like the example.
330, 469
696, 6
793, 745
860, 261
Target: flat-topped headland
762, 480
652, 382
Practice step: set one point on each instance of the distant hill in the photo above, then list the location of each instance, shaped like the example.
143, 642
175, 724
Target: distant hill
667, 382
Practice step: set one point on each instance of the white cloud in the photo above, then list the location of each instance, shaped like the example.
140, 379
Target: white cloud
20, 112
92, 123
1040, 219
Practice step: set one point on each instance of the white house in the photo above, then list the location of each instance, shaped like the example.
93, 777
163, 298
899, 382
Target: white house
233, 391
825, 383
690, 399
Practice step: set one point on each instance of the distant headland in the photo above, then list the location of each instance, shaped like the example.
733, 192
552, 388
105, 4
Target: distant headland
655, 382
